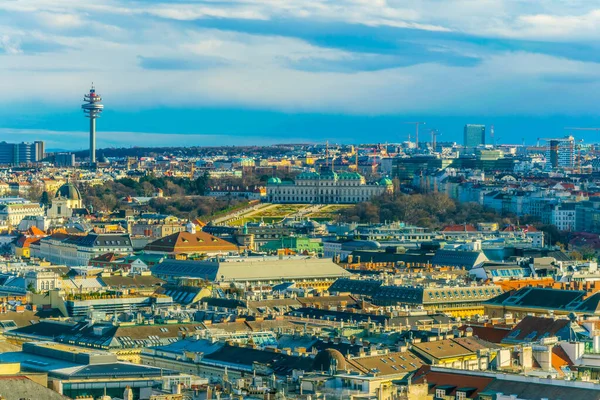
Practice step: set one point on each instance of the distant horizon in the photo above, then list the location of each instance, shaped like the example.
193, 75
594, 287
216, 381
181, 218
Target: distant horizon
254, 72
355, 130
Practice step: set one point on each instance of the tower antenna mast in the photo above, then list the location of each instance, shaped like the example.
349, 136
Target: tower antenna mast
92, 108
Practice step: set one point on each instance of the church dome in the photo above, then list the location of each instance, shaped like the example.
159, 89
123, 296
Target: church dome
386, 182
68, 191
325, 358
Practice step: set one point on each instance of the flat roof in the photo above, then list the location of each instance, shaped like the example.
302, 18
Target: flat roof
254, 270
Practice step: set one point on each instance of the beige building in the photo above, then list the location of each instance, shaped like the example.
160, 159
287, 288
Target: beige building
66, 200
157, 226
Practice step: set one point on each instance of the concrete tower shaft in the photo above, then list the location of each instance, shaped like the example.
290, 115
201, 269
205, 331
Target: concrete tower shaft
92, 108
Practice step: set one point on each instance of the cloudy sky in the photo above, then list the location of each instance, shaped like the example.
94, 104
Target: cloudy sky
264, 71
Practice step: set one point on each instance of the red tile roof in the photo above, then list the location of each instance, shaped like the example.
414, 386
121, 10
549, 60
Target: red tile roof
533, 328
489, 333
187, 242
35, 231
457, 380
459, 228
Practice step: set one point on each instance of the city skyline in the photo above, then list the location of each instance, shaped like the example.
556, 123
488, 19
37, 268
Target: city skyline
257, 71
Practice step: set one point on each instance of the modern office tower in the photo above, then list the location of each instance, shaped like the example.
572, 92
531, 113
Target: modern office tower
19, 153
560, 153
64, 160
41, 150
474, 135
92, 108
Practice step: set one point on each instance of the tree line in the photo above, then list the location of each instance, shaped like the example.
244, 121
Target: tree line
183, 197
436, 210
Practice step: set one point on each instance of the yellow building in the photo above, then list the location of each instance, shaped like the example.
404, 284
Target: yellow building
459, 353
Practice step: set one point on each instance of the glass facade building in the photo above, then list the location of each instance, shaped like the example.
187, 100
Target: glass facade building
474, 135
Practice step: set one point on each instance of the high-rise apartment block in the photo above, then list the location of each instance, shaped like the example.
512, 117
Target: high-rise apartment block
21, 153
64, 160
560, 153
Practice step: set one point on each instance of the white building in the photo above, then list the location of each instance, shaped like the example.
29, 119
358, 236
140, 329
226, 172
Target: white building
326, 188
563, 216
42, 280
66, 200
77, 250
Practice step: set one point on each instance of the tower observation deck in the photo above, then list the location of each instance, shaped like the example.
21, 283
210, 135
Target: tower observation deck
92, 108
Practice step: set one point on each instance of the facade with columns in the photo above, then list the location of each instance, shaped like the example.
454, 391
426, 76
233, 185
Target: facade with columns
326, 188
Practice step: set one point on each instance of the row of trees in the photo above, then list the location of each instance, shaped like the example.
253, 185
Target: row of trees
436, 210
192, 151
430, 211
185, 197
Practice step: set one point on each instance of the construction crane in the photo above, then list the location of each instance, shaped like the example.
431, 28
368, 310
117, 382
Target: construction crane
553, 146
434, 134
594, 148
578, 146
416, 124
582, 129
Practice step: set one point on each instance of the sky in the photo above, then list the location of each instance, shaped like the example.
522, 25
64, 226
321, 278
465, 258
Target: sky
227, 72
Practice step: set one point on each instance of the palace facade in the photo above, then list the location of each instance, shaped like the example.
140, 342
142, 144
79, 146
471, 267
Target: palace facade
326, 188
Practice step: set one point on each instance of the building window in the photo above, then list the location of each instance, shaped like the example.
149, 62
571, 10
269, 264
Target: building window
440, 393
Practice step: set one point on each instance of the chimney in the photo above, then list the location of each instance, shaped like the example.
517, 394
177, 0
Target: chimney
128, 394
176, 388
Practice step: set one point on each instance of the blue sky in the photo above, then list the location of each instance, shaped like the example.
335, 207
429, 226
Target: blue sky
267, 71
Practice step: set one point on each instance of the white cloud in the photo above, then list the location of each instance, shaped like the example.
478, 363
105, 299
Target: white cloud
256, 72
9, 44
60, 20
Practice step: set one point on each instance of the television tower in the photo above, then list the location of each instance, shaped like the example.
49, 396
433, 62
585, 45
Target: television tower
92, 108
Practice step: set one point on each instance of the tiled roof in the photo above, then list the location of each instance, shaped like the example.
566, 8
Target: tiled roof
458, 258
281, 364
187, 242
21, 387
533, 329
447, 348
552, 299
451, 382
386, 364
490, 334
532, 390
459, 228
134, 281
355, 286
